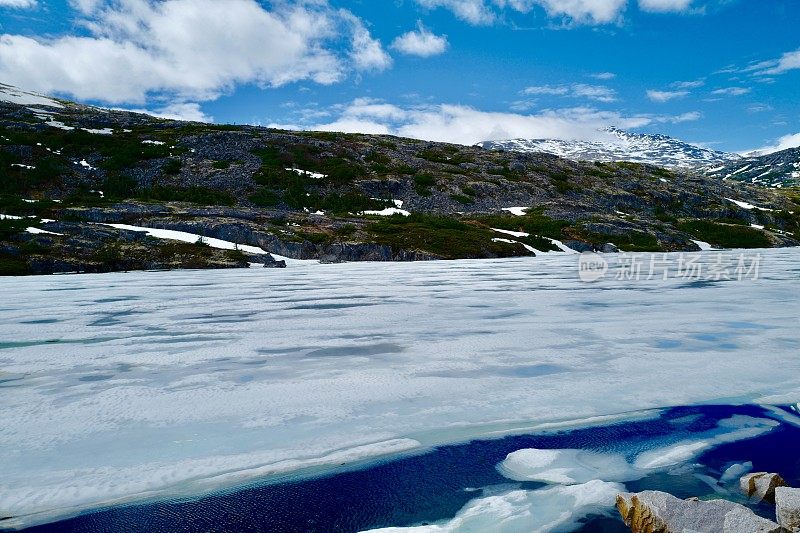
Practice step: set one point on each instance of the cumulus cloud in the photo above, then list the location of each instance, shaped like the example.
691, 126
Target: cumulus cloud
599, 93
420, 42
665, 96
367, 52
784, 143
136, 48
467, 125
665, 6
18, 4
731, 91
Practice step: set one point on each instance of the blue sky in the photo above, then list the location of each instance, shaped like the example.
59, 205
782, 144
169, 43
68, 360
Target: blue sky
723, 73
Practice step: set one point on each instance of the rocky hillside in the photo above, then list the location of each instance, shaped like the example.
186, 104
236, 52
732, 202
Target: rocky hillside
619, 145
67, 169
779, 169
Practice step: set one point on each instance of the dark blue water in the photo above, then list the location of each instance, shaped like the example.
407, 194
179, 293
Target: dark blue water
434, 486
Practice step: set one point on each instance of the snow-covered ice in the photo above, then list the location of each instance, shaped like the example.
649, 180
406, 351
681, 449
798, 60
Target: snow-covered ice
548, 509
130, 386
102, 131
518, 211
308, 173
747, 205
18, 96
387, 212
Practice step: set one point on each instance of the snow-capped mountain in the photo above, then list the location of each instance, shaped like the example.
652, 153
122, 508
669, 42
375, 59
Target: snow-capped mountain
620, 145
779, 169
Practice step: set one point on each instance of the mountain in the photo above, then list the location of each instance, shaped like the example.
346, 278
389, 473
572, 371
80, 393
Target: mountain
77, 184
621, 145
779, 169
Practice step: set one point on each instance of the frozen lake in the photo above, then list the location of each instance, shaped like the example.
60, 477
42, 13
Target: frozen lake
124, 387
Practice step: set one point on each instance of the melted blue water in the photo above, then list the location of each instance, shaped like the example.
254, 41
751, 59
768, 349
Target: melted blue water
434, 486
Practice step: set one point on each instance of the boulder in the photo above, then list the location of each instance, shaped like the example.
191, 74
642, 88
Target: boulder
659, 512
787, 508
609, 248
760, 486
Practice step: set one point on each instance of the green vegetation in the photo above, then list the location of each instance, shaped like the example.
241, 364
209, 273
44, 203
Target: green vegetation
12, 265
442, 236
423, 184
337, 168
405, 169
221, 165
561, 181
172, 167
351, 202
534, 222
9, 227
345, 230
725, 235
462, 199
236, 256
631, 241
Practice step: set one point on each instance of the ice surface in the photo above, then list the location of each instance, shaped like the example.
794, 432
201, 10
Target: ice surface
142, 385
190, 237
704, 246
579, 466
548, 509
566, 467
387, 212
747, 205
307, 173
518, 211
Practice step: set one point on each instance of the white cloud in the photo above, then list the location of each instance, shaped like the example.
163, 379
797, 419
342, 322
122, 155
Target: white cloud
488, 11
367, 52
18, 4
665, 6
689, 84
784, 143
420, 43
789, 61
691, 116
472, 11
184, 48
190, 111
594, 92
585, 11
598, 93
731, 91
605, 76
466, 125
665, 96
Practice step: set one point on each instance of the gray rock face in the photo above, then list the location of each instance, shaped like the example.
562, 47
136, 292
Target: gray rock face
760, 486
787, 508
659, 512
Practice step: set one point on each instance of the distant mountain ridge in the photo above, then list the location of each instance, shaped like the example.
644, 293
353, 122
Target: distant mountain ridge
659, 150
778, 169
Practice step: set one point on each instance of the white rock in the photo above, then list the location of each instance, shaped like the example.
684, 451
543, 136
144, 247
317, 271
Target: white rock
787, 508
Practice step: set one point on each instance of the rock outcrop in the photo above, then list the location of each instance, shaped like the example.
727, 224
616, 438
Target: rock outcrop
660, 512
787, 508
760, 486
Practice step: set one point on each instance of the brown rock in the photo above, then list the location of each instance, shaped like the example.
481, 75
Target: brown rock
760, 486
659, 512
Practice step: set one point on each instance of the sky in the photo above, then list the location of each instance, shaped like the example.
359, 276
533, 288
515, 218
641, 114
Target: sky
723, 74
